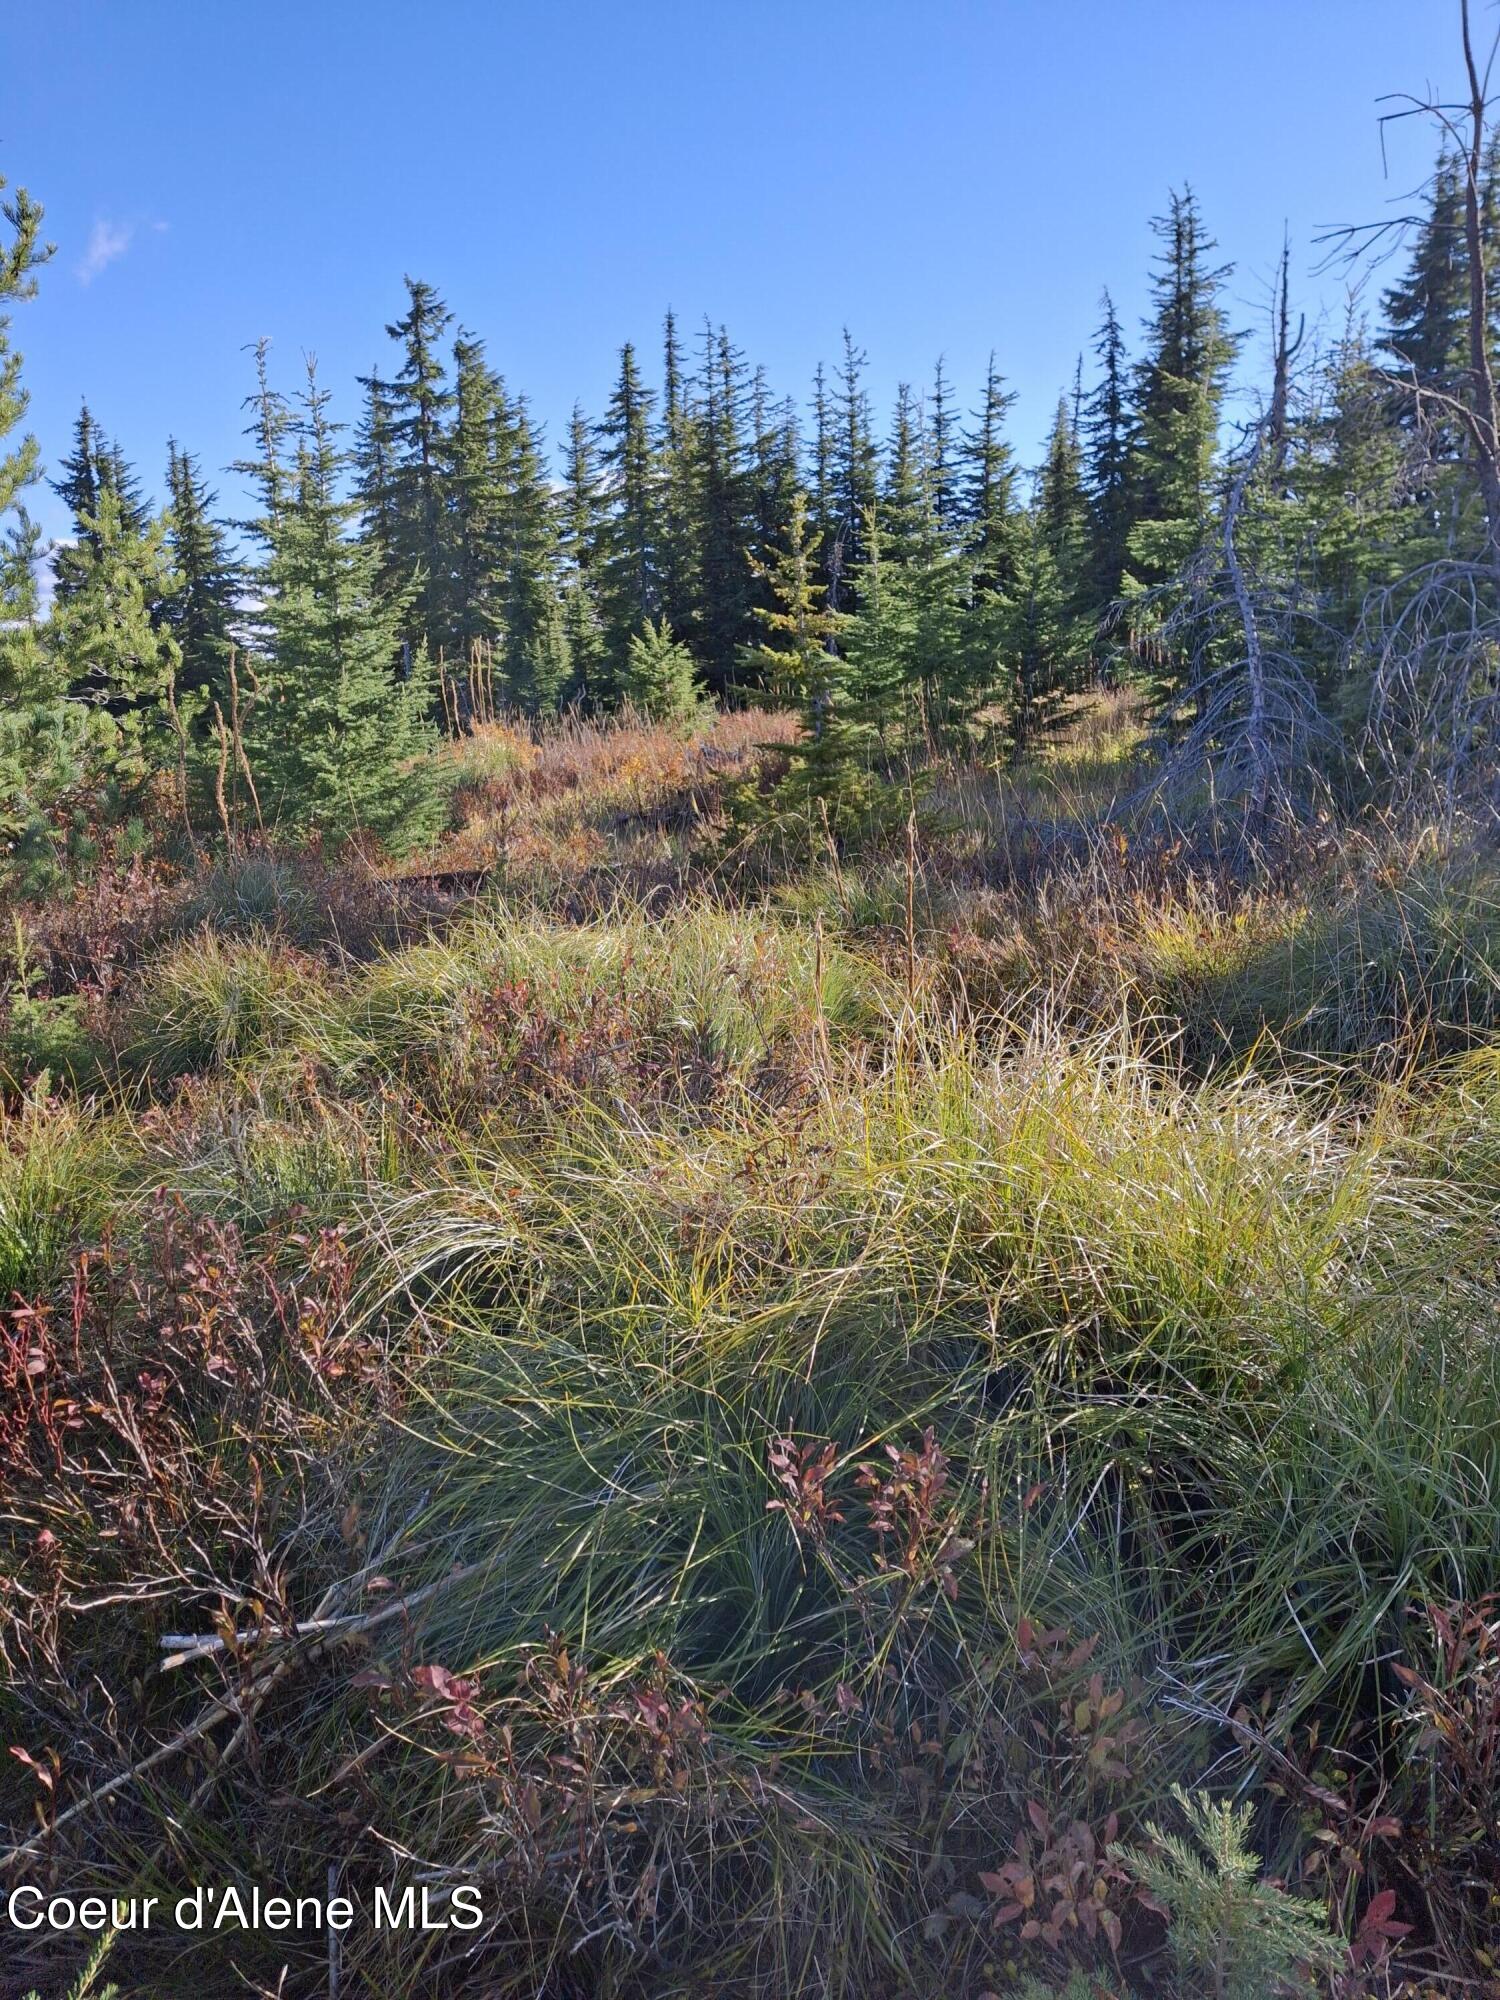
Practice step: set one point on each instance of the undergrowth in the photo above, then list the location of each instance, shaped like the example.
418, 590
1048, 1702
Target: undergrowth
765, 1417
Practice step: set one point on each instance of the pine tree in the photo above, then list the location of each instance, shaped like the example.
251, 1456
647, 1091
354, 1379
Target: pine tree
199, 609
334, 745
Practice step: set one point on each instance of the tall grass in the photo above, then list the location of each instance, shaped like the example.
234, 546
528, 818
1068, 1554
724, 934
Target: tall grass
763, 1393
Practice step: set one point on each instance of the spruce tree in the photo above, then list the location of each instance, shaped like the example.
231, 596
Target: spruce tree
375, 476
855, 471
725, 527
944, 431
1061, 501
199, 609
581, 532
1179, 393
905, 497
1426, 309
94, 467
660, 680
989, 491
822, 501
334, 745
1106, 437
628, 582
798, 658
678, 552
418, 399
1037, 642
477, 454
536, 660
118, 652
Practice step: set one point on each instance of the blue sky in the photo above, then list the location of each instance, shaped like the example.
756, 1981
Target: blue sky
944, 175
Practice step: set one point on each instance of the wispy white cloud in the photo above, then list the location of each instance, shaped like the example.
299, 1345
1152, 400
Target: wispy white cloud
108, 241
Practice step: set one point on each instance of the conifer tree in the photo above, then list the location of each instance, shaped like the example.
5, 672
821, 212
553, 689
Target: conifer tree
944, 431
1179, 392
418, 400
855, 470
1352, 484
119, 654
335, 746
581, 532
1426, 309
536, 660
989, 491
1106, 438
678, 551
799, 659
477, 450
20, 260
822, 502
725, 528
1425, 343
773, 474
44, 739
879, 641
199, 609
905, 497
1037, 648
1061, 501
629, 586
375, 476
94, 467
660, 680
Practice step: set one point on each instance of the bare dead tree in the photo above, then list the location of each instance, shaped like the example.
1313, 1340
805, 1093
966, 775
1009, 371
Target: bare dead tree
1431, 640
1258, 734
1286, 350
1471, 402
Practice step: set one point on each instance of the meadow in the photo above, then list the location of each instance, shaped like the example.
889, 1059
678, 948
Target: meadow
910, 1416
